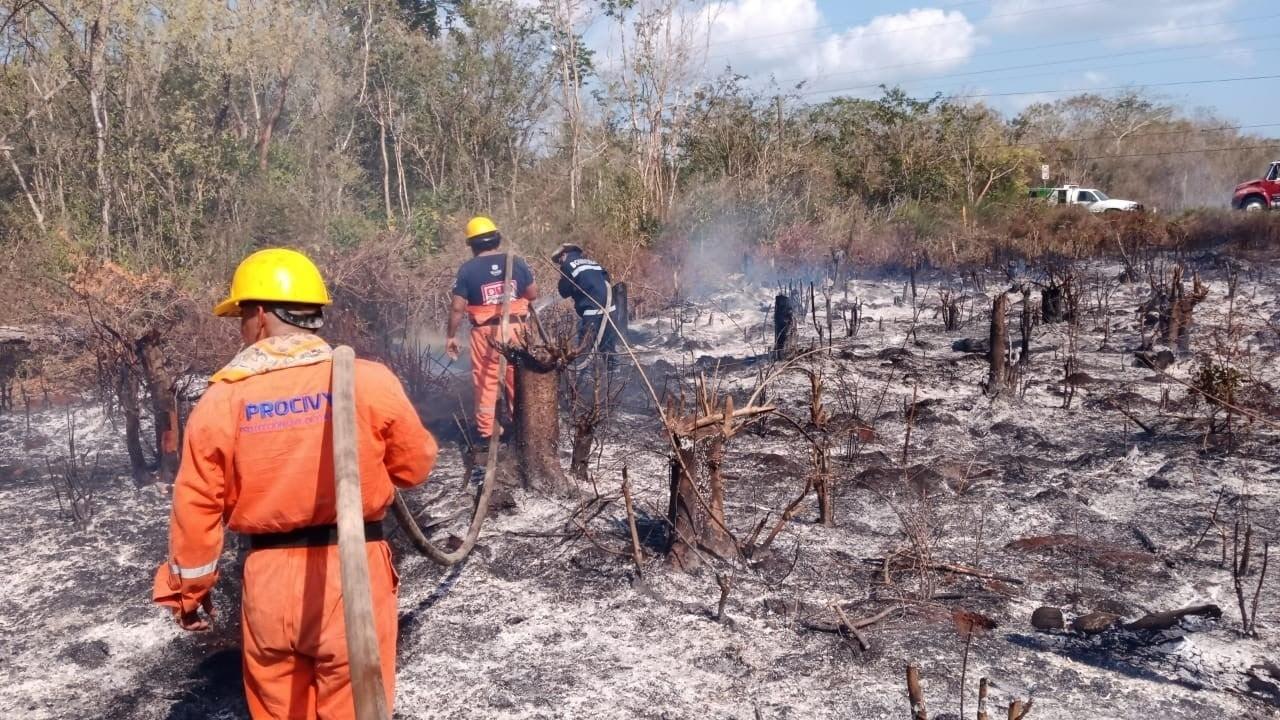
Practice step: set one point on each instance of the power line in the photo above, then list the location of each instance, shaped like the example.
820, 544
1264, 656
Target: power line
1115, 66
1085, 58
1162, 133
1182, 152
1068, 90
1118, 87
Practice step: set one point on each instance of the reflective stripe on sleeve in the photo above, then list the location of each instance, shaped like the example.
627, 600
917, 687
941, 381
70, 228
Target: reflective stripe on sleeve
193, 572
597, 311
586, 266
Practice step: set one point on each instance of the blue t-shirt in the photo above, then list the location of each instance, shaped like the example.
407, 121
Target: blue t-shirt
479, 279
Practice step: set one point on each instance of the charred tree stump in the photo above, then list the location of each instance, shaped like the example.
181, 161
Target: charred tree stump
164, 405
1053, 306
1024, 351
583, 442
621, 316
982, 700
784, 328
950, 312
127, 392
823, 484
537, 428
1178, 317
916, 694
820, 451
696, 508
999, 337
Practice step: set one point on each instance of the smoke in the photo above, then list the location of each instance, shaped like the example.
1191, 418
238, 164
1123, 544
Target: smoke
717, 244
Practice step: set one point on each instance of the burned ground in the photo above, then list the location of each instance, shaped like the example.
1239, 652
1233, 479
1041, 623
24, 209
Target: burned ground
1029, 503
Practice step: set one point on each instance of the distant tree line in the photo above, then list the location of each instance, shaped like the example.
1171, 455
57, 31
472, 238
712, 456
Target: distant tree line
175, 134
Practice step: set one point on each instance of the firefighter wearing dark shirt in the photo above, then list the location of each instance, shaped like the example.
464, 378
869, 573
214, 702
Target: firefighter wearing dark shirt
478, 293
587, 282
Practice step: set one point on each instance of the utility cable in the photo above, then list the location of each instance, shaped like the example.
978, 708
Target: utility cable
1108, 138
1033, 48
1064, 61
1131, 86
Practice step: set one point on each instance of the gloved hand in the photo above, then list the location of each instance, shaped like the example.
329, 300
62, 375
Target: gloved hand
192, 622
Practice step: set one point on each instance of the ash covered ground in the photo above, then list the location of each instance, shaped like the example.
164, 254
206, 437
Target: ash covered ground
1079, 509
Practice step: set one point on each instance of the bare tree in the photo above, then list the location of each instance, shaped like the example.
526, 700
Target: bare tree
661, 44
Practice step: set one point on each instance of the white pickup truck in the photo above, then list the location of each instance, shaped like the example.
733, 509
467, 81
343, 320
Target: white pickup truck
1096, 200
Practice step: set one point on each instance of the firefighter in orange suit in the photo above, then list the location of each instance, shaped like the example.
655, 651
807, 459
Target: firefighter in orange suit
258, 458
478, 294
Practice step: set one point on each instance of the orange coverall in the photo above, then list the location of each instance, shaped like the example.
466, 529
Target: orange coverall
485, 331
258, 457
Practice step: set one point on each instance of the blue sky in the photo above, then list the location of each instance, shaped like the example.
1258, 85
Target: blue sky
1011, 52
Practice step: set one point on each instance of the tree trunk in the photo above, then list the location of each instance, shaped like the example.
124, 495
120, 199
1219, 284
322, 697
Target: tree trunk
999, 337
621, 316
127, 392
784, 328
823, 484
97, 107
583, 440
22, 183
164, 406
537, 435
1024, 354
1052, 309
267, 129
696, 507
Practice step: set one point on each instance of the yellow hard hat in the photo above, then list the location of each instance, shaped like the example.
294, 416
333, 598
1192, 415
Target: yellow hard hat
274, 275
480, 226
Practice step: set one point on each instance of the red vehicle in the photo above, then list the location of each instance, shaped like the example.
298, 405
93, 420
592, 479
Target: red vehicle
1259, 194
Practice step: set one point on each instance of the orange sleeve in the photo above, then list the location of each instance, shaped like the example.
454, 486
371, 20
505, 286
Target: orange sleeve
410, 449
199, 494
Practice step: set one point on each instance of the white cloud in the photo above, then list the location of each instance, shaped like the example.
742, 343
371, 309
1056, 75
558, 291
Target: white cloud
792, 40
893, 47
761, 31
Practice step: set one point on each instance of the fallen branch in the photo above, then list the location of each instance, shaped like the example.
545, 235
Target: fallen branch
851, 628
957, 570
1125, 411
786, 516
681, 427
843, 624
1169, 618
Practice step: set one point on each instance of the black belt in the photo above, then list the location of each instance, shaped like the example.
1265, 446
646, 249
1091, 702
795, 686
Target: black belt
314, 536
498, 320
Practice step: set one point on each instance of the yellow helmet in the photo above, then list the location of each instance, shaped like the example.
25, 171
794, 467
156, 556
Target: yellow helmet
480, 226
274, 275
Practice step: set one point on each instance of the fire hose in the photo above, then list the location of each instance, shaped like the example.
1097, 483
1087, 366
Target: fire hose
607, 311
363, 658
401, 509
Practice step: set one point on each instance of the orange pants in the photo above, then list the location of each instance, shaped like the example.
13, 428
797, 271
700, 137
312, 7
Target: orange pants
484, 373
295, 643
